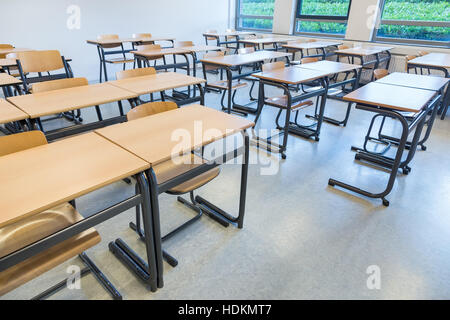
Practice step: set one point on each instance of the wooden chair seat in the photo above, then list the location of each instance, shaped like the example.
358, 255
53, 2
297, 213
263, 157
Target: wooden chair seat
29, 230
224, 85
281, 102
119, 60
169, 169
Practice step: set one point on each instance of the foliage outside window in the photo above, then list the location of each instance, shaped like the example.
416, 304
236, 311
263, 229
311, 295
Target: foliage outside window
422, 20
322, 16
255, 14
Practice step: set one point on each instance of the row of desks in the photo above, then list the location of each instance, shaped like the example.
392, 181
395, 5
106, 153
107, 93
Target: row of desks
33, 106
135, 147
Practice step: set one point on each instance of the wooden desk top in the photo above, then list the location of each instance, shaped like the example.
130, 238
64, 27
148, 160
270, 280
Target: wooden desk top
433, 59
127, 40
291, 75
329, 66
228, 34
241, 59
156, 82
202, 48
157, 138
391, 97
7, 80
11, 50
415, 81
9, 113
40, 178
7, 62
364, 51
161, 52
62, 100
310, 45
265, 40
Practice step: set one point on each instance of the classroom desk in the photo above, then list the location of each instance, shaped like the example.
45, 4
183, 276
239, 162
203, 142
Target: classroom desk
362, 53
434, 61
69, 169
261, 42
57, 101
6, 82
104, 44
12, 117
151, 138
230, 61
432, 83
318, 45
234, 34
334, 69
282, 78
390, 100
159, 83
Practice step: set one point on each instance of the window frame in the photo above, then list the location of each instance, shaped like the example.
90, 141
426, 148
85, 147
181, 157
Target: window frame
240, 16
420, 23
319, 18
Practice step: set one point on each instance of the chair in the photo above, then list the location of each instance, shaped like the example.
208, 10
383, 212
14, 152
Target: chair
139, 72
421, 54
40, 63
121, 59
281, 102
63, 84
143, 35
211, 38
221, 85
343, 47
150, 47
248, 50
170, 169
26, 231
5, 46
380, 73
232, 38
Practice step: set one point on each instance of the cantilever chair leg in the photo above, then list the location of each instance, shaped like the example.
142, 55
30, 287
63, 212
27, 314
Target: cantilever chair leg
90, 267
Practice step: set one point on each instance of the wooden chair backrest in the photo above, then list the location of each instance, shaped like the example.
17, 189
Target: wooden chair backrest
145, 47
149, 109
309, 60
272, 66
380, 73
343, 46
40, 61
109, 37
211, 31
21, 141
141, 35
422, 53
180, 44
246, 50
59, 84
132, 73
212, 54
311, 40
6, 46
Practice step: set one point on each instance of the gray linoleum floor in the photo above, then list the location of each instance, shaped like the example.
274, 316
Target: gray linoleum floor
301, 238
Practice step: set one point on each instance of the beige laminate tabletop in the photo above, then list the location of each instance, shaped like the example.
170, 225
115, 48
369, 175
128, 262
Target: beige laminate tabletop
391, 96
242, 59
434, 59
265, 40
415, 81
11, 50
40, 178
310, 45
330, 66
128, 40
228, 34
161, 52
62, 100
9, 113
363, 51
7, 80
291, 75
202, 48
157, 138
156, 82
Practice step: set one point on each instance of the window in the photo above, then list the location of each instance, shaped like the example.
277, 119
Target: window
426, 21
255, 14
327, 17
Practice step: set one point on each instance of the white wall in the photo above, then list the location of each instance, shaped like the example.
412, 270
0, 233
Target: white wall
284, 16
362, 17
42, 24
